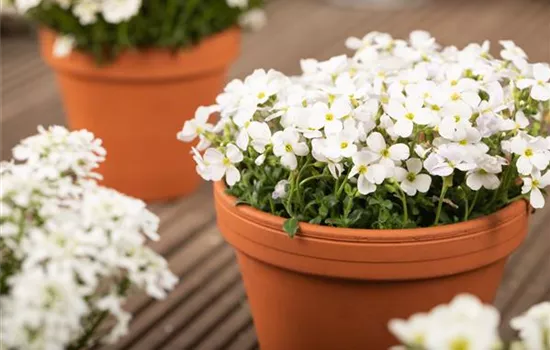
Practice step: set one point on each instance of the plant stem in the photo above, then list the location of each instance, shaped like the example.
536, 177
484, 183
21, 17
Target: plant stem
467, 208
341, 188
405, 208
441, 198
518, 197
314, 177
85, 338
472, 206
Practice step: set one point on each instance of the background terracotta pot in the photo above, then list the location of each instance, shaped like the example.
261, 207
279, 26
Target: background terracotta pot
138, 103
332, 288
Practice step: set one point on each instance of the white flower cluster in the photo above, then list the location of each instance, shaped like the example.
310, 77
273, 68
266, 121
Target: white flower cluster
69, 248
402, 110
87, 11
466, 323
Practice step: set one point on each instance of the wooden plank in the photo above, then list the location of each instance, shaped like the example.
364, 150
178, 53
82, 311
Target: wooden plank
210, 318
231, 331
188, 257
191, 283
535, 289
181, 317
246, 340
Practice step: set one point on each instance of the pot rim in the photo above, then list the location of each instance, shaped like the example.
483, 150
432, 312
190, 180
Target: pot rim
433, 233
213, 53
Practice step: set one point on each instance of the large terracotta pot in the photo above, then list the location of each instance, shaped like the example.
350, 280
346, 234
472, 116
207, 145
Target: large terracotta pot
138, 103
332, 288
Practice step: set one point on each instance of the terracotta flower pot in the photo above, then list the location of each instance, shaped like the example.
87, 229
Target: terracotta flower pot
138, 103
333, 288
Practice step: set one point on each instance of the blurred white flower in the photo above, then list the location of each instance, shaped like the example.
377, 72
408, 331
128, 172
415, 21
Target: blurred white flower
254, 19
539, 84
534, 327
63, 46
117, 11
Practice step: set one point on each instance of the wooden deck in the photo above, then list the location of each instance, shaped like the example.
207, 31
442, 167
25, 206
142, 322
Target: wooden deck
208, 310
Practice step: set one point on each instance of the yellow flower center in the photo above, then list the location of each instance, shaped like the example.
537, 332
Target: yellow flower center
435, 108
261, 95
329, 117
226, 161
463, 142
529, 152
385, 153
344, 145
411, 177
535, 183
454, 82
460, 344
409, 116
455, 96
363, 169
288, 148
457, 118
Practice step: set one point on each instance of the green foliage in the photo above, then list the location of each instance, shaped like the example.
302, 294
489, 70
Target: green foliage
170, 24
316, 197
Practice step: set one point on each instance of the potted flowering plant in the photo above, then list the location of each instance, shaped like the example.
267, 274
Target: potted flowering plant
401, 173
466, 323
70, 250
119, 63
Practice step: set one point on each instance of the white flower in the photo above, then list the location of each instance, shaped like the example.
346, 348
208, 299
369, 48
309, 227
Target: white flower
86, 11
388, 156
540, 85
370, 174
258, 132
25, 5
341, 144
413, 331
446, 158
198, 125
330, 118
280, 191
287, 145
407, 114
533, 185
534, 327
465, 323
237, 3
254, 19
410, 179
532, 153
513, 53
63, 46
220, 164
116, 11
485, 174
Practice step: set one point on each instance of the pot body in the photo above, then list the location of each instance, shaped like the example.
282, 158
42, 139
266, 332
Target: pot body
138, 103
334, 288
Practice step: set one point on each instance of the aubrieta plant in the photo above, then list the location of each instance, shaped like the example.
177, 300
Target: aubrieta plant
467, 324
104, 28
401, 135
70, 250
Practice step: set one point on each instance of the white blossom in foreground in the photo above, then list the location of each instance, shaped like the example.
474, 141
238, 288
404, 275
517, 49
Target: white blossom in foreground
70, 249
534, 327
466, 323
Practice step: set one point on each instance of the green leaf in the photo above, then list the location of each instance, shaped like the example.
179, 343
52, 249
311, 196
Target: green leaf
291, 227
